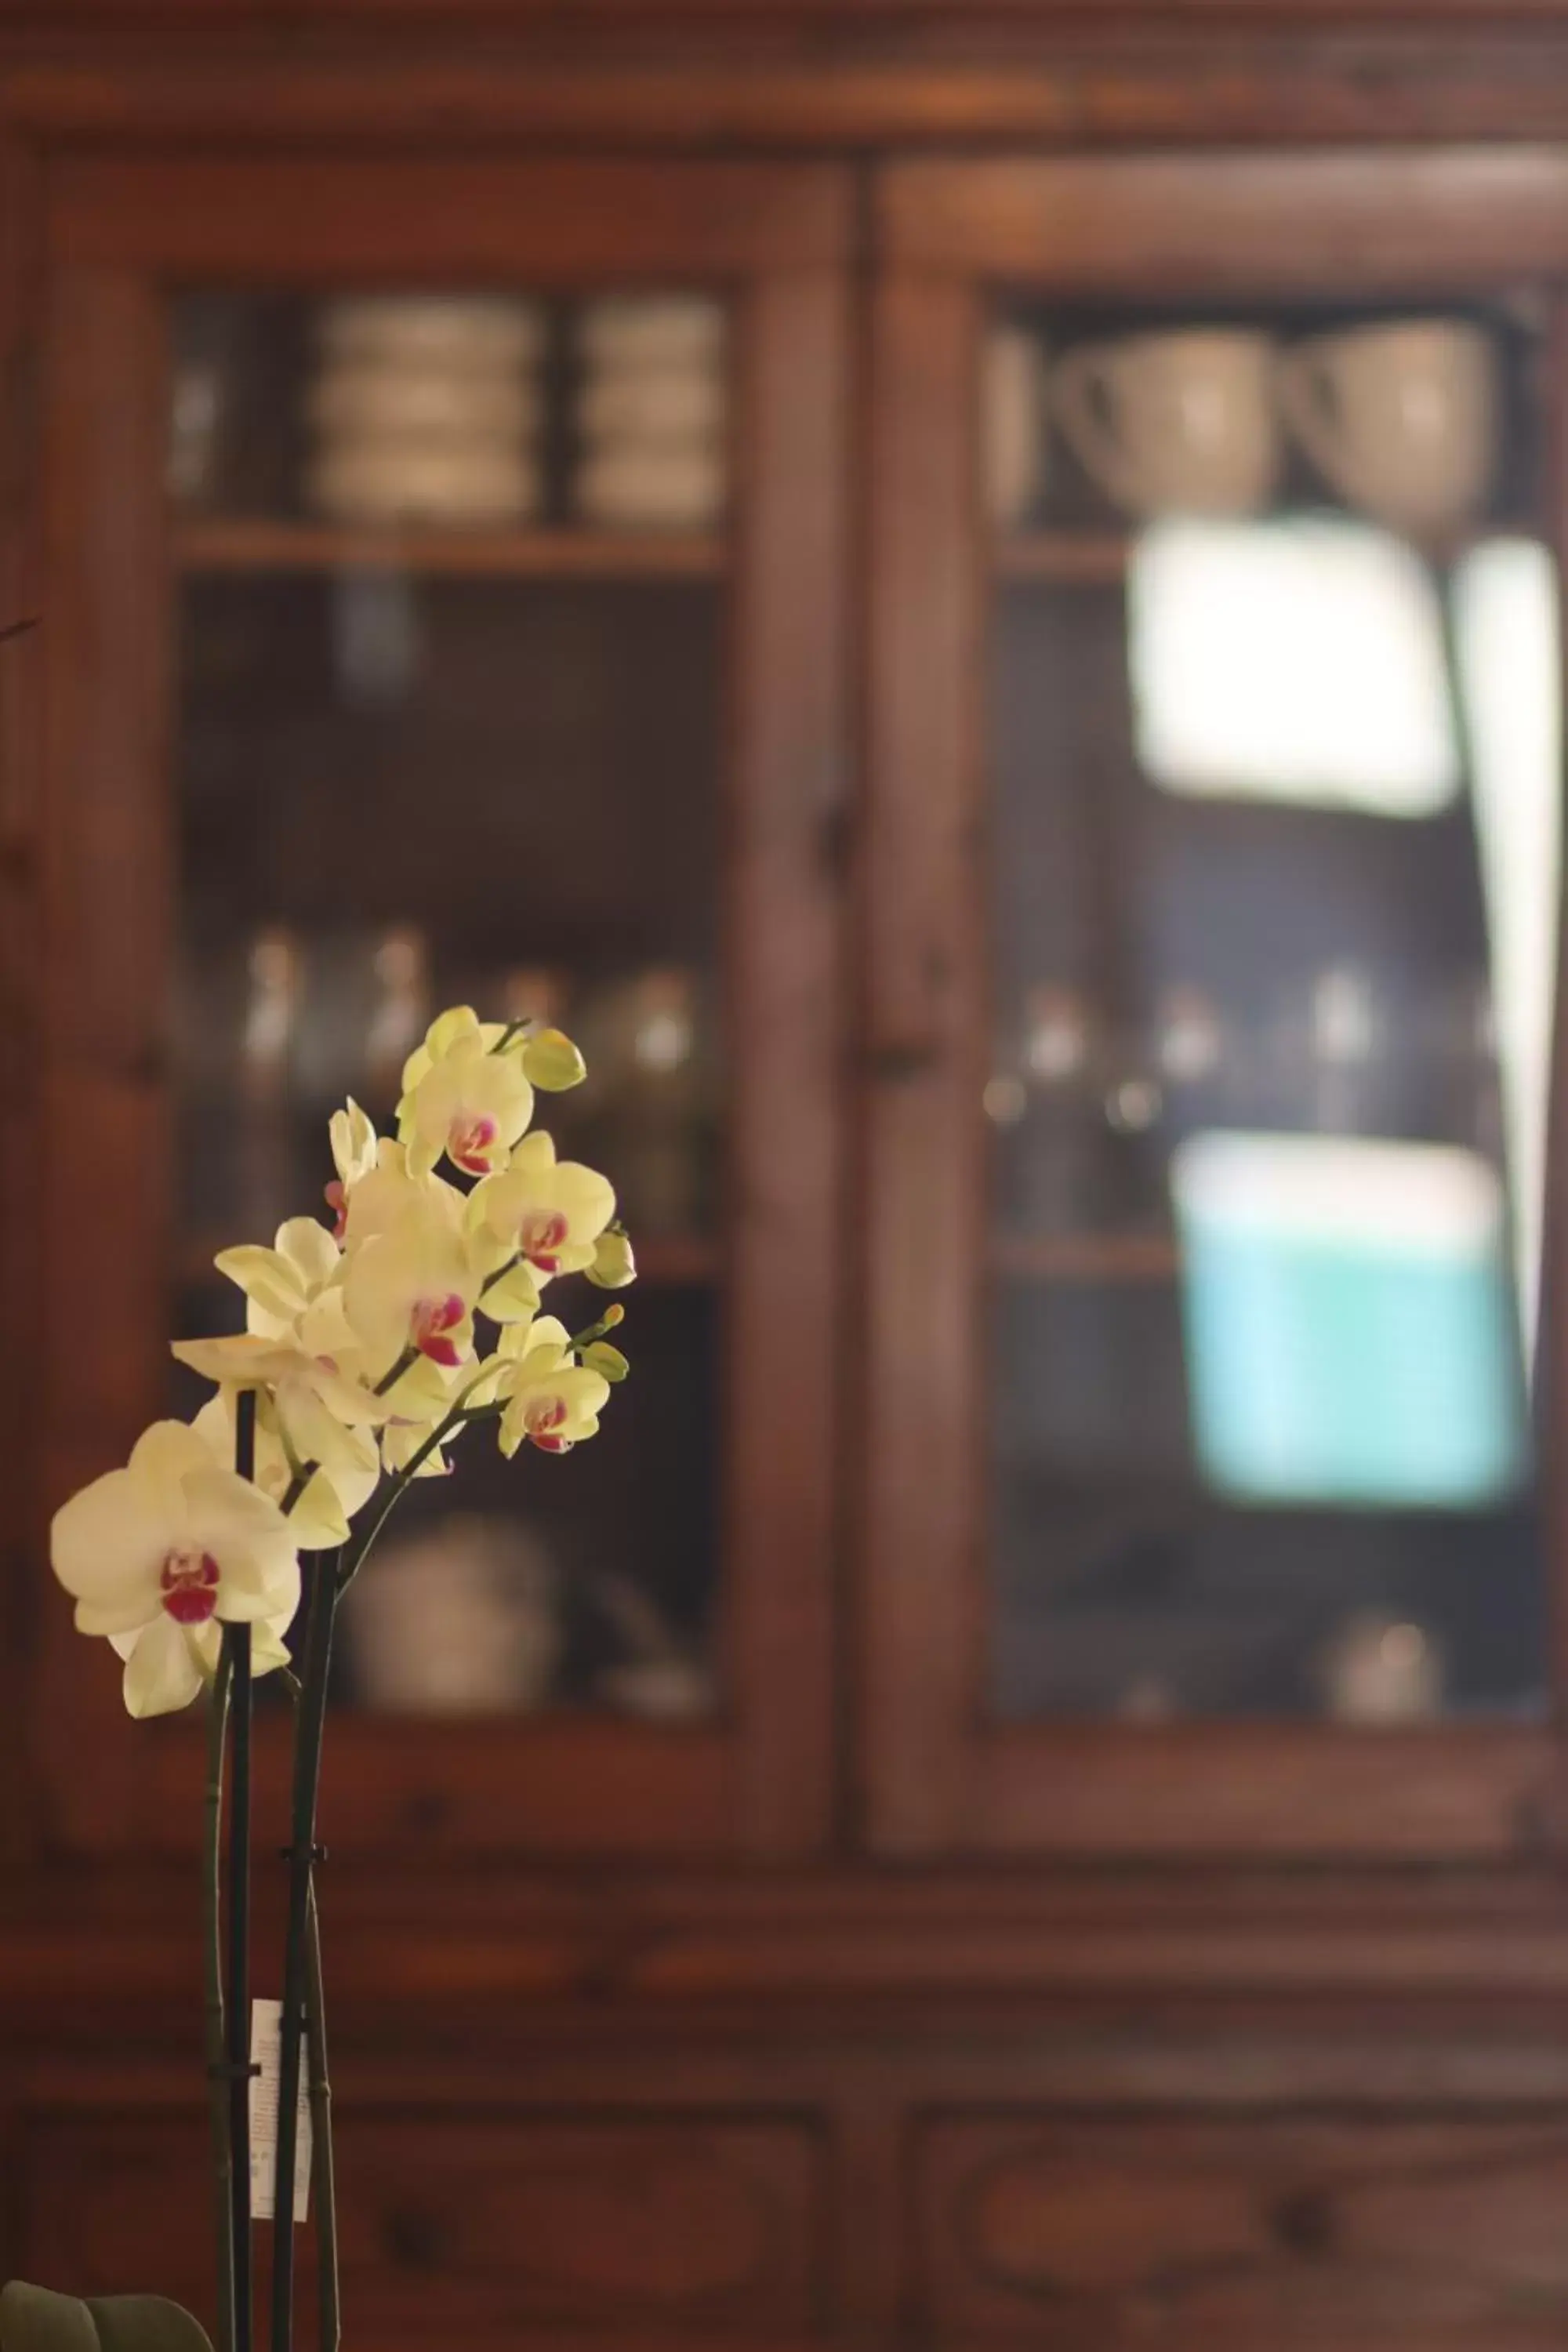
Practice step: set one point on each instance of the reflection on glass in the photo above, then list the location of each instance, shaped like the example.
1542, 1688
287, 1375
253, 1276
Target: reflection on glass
484, 772
1276, 742
1510, 654
1348, 1327
1299, 661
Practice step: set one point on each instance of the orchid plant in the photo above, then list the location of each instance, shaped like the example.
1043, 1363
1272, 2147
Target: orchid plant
373, 1346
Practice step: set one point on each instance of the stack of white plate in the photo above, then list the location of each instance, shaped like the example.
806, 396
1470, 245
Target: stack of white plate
426, 409
651, 418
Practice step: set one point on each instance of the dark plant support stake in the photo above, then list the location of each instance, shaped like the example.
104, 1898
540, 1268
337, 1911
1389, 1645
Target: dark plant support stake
237, 1648
302, 1851
221, 2112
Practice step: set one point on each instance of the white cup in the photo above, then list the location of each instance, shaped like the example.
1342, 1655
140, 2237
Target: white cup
355, 402
452, 331
652, 488
400, 480
652, 406
1400, 419
652, 331
1178, 422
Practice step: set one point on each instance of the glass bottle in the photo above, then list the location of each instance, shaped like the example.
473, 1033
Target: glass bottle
400, 1011
649, 1098
1049, 1136
275, 976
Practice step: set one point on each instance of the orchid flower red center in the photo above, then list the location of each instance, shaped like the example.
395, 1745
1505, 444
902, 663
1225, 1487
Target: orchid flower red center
338, 1202
543, 1420
432, 1321
189, 1580
540, 1237
469, 1140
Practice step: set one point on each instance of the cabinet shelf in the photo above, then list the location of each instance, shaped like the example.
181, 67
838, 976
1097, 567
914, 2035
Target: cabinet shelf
230, 544
1098, 558
668, 1261
1068, 558
1085, 1258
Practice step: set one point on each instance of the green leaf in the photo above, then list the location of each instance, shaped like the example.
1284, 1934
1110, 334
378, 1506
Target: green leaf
145, 2322
33, 2319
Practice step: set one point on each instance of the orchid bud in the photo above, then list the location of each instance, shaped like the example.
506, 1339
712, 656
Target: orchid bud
552, 1062
613, 1266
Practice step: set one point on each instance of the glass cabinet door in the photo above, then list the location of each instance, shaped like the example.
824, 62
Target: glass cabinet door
1253, 1054
1273, 735
475, 694
450, 660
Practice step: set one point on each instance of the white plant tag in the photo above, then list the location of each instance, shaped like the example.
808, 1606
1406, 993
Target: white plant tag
265, 2035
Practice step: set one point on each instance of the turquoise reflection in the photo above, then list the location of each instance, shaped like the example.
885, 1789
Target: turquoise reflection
1350, 1329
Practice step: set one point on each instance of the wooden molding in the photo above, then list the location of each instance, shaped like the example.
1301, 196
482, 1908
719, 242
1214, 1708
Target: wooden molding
828, 80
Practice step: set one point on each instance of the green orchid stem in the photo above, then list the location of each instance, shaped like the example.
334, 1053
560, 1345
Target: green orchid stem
499, 1275
297, 1485
236, 1653
216, 2044
323, 2173
389, 1379
455, 1420
329, 2323
320, 1611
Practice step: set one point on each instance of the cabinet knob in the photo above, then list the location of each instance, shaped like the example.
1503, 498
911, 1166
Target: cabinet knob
416, 2239
899, 1065
1304, 2223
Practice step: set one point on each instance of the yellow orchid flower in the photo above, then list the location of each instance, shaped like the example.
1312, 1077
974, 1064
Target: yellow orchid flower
414, 1286
422, 1394
281, 1283
352, 1134
548, 1212
458, 1020
167, 1663
292, 1373
462, 1099
551, 1399
401, 1442
392, 1191
176, 1537
292, 1430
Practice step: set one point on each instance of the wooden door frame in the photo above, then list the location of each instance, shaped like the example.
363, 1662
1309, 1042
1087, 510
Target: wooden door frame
120, 231
938, 1778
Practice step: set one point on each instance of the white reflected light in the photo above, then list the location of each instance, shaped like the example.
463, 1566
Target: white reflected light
1507, 644
1347, 1332
1295, 661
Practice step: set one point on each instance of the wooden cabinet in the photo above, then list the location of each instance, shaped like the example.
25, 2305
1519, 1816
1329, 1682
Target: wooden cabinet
1019, 1796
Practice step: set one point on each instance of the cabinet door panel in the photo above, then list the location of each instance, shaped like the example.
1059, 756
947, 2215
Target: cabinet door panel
1302, 2232
1213, 883
470, 637
511, 2228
